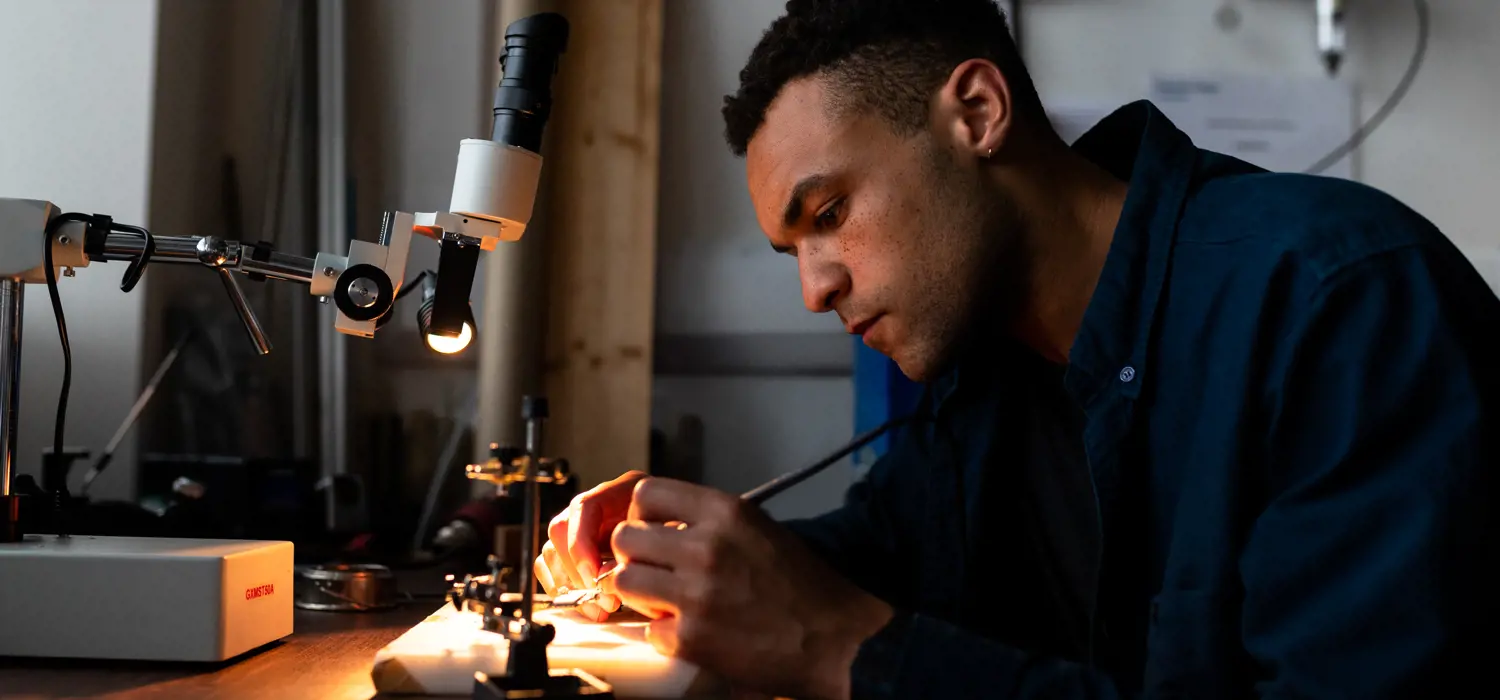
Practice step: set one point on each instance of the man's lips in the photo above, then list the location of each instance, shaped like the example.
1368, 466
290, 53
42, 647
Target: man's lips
863, 326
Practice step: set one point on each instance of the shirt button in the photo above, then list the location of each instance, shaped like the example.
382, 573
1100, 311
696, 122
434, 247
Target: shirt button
1127, 374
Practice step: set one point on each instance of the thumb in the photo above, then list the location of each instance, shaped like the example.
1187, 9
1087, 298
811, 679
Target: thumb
662, 635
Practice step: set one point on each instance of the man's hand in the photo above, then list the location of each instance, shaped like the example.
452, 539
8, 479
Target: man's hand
732, 591
571, 558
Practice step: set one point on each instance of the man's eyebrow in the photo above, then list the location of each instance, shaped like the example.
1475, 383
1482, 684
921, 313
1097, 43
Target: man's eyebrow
793, 211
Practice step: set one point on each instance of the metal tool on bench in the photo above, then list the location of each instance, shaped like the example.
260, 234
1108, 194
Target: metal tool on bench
510, 613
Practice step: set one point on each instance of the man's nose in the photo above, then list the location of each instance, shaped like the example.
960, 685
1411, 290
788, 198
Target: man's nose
823, 282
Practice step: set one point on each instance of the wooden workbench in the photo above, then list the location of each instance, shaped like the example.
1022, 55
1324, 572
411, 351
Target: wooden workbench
328, 656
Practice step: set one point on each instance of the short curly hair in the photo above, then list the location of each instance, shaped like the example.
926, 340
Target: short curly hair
885, 55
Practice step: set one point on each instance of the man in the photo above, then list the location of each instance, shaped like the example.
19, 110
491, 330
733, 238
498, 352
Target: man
1191, 429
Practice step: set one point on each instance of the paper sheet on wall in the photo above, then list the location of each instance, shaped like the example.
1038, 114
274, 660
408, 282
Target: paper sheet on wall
1280, 124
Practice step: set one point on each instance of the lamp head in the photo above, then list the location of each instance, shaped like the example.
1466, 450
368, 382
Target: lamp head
450, 346
459, 331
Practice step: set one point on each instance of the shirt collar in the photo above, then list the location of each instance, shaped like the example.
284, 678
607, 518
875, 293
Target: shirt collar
1139, 144
1136, 143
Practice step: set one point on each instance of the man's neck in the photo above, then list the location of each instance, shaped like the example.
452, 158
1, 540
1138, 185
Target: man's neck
1069, 208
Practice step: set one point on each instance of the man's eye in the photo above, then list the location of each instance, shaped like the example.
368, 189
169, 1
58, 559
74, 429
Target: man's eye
829, 217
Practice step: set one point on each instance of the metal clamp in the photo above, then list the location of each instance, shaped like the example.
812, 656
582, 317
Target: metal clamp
504, 472
247, 315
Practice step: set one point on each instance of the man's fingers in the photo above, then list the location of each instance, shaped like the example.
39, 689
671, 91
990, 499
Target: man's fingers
543, 566
650, 590
662, 634
582, 535
650, 543
565, 573
663, 500
543, 576
590, 518
613, 485
592, 612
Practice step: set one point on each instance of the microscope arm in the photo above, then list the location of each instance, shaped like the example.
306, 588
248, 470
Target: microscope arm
222, 253
363, 284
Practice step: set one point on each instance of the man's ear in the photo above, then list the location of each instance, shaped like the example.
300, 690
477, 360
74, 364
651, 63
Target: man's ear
974, 108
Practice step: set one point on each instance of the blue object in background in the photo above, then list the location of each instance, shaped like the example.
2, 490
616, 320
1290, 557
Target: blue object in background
881, 392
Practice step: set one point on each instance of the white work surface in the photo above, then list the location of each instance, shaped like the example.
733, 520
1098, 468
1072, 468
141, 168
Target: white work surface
440, 655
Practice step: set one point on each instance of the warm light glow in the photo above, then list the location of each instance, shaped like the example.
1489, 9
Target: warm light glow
448, 346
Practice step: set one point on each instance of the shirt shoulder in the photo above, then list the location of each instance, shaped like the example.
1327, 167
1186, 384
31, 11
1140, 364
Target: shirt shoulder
1322, 225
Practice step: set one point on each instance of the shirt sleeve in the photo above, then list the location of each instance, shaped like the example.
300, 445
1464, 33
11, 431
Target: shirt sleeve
1370, 572
918, 656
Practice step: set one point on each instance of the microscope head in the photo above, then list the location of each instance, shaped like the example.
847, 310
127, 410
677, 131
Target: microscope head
495, 183
496, 180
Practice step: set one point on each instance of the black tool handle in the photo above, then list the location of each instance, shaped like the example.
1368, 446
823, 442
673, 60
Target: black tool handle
760, 494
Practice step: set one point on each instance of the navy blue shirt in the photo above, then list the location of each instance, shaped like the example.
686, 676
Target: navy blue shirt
1286, 389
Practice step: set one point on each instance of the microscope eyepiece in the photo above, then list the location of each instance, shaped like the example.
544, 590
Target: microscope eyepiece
523, 100
497, 179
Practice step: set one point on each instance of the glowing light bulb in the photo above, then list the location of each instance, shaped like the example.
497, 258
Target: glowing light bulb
448, 346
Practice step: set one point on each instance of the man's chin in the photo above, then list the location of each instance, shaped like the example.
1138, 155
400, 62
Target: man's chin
919, 362
915, 369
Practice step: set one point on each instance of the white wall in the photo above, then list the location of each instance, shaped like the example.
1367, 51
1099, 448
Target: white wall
755, 428
1435, 152
716, 274
418, 84
76, 100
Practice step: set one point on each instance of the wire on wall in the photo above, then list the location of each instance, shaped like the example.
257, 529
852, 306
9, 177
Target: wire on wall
1397, 95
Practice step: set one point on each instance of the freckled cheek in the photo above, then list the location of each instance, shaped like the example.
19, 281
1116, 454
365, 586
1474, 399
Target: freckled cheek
872, 257
874, 281
890, 231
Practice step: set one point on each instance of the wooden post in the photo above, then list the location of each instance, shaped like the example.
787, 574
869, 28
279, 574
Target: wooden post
602, 163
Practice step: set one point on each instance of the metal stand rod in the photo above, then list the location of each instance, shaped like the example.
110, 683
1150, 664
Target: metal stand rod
333, 234
184, 250
11, 306
242, 307
531, 527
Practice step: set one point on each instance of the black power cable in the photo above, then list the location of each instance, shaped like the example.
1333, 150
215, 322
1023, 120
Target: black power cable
411, 284
1397, 95
132, 276
62, 326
